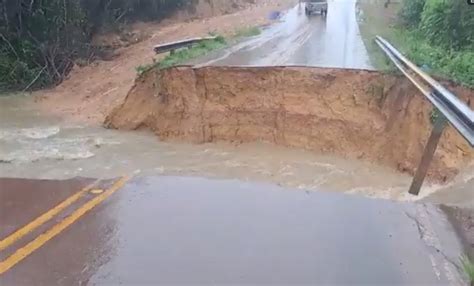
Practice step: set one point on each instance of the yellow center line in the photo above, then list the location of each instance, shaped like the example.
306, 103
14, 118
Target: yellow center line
12, 238
25, 251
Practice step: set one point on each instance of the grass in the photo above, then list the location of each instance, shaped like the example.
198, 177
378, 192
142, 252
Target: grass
247, 32
377, 20
193, 52
468, 267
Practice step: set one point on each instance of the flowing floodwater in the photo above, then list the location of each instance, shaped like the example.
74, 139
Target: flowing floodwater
34, 145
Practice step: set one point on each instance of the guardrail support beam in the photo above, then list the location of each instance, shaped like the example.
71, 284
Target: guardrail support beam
428, 154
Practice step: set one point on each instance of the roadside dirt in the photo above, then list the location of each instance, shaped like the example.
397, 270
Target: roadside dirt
352, 113
90, 92
201, 9
463, 221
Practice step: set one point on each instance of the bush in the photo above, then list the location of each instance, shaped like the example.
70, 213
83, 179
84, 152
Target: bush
440, 35
434, 22
450, 63
461, 67
410, 13
39, 40
446, 23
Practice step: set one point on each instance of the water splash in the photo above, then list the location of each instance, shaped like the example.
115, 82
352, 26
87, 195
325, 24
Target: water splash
29, 133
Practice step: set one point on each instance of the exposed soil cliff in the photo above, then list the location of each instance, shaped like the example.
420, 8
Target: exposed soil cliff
359, 114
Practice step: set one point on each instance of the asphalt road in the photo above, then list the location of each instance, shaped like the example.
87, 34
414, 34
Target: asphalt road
298, 39
181, 230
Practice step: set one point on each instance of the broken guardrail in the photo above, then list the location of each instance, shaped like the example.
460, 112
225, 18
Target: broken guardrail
171, 47
452, 109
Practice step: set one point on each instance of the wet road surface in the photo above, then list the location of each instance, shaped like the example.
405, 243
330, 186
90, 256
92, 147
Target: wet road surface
20, 204
181, 230
332, 41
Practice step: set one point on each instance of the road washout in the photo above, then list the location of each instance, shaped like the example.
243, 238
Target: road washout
366, 115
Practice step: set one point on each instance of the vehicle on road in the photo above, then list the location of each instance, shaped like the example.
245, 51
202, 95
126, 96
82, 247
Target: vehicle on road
314, 6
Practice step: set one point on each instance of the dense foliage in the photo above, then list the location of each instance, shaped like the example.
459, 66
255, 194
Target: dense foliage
40, 39
447, 23
411, 12
441, 35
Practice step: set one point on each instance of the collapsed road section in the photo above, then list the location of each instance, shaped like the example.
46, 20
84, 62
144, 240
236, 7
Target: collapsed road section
359, 114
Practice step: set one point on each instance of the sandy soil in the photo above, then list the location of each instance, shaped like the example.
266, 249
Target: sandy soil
90, 92
352, 113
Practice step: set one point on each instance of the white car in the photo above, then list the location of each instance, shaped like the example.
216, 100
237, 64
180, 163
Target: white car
314, 6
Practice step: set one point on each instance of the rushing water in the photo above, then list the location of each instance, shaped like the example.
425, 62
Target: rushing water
34, 145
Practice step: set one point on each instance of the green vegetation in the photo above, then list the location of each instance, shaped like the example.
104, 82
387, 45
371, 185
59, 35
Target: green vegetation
434, 115
436, 34
247, 32
375, 20
468, 267
185, 54
40, 40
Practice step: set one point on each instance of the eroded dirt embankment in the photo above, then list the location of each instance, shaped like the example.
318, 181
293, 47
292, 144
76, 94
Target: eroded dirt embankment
358, 114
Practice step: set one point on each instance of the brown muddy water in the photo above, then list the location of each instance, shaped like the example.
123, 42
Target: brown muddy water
35, 145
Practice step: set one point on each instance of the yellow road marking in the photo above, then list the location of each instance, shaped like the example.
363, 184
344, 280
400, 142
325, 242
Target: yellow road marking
9, 240
23, 252
97, 191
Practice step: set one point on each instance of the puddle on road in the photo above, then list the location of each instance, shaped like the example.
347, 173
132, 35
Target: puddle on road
36, 146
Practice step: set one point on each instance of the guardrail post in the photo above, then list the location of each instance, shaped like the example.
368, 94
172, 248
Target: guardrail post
428, 154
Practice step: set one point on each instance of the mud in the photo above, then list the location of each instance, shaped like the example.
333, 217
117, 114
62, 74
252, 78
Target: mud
210, 8
196, 10
90, 92
357, 114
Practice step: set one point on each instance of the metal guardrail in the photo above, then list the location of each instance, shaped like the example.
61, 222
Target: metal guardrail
171, 47
453, 110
